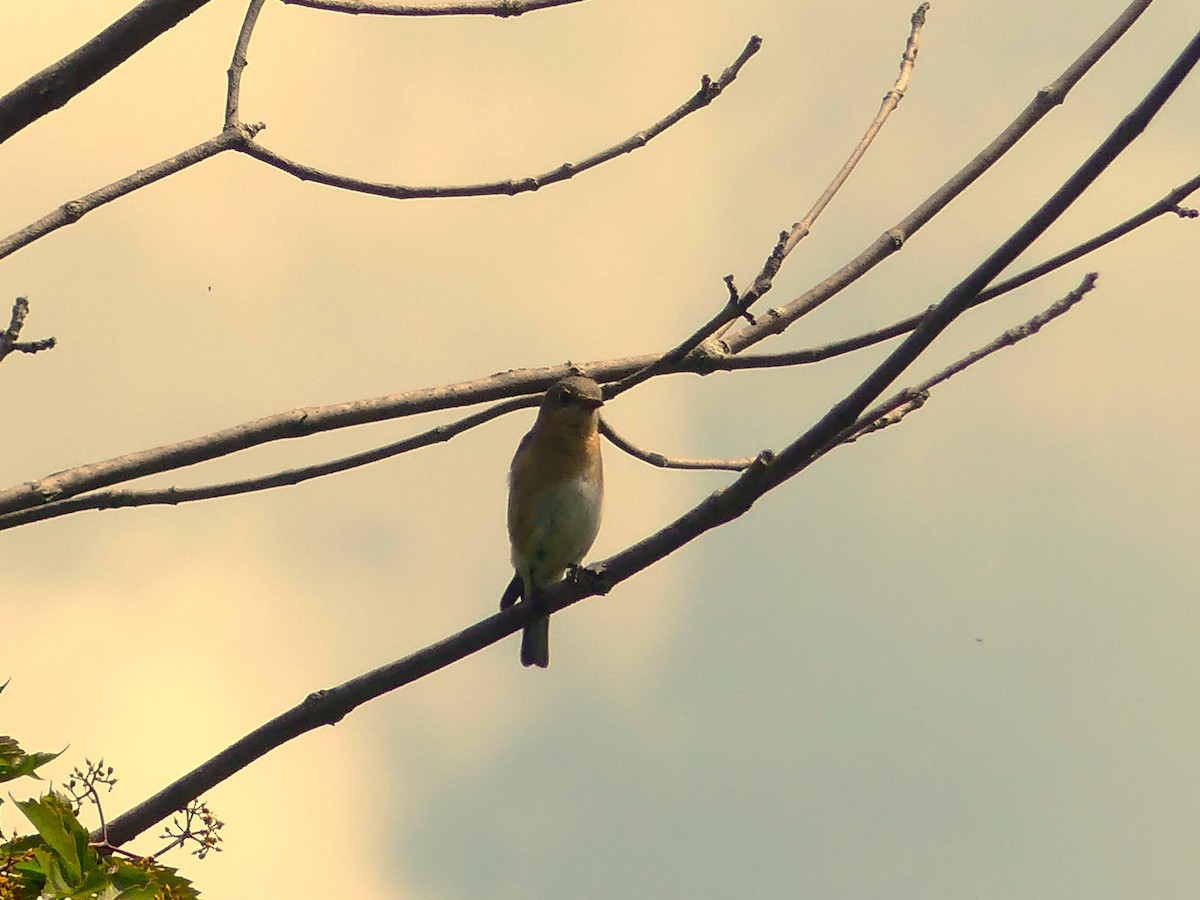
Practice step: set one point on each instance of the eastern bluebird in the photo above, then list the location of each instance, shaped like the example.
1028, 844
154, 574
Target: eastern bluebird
556, 489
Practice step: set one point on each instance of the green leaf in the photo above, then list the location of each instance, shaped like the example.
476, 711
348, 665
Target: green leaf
25, 876
15, 762
20, 764
52, 817
56, 884
146, 880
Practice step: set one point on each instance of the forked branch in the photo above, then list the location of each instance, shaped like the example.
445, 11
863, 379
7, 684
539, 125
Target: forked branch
327, 707
776, 320
849, 417
739, 303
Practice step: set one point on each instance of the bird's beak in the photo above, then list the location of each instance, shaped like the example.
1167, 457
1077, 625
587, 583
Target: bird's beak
590, 404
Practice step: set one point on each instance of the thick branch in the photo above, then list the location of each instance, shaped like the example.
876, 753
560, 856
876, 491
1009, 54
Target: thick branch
328, 707
55, 85
766, 473
845, 413
707, 359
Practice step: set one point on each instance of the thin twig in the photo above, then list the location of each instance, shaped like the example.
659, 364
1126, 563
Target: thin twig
719, 361
844, 414
328, 707
238, 64
530, 381
668, 462
887, 413
778, 319
238, 136
891, 100
709, 90
502, 8
738, 305
892, 410
768, 472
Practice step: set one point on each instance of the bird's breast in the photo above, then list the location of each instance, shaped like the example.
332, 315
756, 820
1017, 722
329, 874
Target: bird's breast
555, 526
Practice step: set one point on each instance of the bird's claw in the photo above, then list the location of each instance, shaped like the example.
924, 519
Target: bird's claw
590, 577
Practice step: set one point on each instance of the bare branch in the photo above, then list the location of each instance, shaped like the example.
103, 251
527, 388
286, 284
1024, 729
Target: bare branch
237, 136
55, 85
800, 453
503, 8
890, 101
149, 13
172, 496
778, 319
768, 472
913, 398
238, 65
888, 413
718, 360
72, 211
9, 342
517, 382
666, 462
709, 90
738, 305
328, 707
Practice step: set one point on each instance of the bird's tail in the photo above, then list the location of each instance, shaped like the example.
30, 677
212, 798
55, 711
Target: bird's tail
535, 643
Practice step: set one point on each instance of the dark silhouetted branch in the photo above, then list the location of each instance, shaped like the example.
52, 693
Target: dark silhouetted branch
55, 85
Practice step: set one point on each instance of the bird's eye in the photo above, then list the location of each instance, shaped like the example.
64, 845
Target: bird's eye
563, 395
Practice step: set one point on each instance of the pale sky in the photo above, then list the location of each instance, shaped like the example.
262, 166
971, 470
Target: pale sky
957, 659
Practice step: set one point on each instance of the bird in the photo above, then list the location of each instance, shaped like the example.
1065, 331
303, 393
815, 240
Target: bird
555, 497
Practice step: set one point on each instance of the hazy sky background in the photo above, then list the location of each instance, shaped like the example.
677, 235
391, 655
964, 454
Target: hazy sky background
955, 660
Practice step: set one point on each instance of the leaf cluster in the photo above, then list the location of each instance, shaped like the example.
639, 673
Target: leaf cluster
59, 861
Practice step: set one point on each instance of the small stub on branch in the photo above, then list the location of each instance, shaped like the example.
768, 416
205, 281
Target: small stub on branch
10, 338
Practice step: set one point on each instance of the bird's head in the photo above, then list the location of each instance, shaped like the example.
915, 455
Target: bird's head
573, 400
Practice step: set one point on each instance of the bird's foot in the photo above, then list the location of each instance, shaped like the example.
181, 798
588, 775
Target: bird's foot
592, 577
